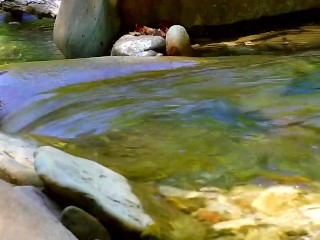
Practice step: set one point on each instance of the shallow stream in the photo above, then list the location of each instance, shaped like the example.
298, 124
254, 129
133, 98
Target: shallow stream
219, 122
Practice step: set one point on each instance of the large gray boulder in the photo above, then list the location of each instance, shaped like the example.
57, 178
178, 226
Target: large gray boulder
16, 160
100, 191
86, 28
21, 218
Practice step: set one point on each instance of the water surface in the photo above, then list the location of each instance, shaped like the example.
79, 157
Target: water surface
224, 121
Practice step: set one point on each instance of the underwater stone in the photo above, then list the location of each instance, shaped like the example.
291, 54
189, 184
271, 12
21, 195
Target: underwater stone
98, 190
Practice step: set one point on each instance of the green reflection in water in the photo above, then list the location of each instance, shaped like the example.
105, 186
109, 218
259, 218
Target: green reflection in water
29, 41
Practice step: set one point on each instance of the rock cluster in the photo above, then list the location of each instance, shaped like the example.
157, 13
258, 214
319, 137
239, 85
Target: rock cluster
89, 29
176, 43
97, 203
252, 212
95, 199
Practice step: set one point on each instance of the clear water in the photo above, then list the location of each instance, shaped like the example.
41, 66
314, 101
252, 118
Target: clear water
225, 121
221, 122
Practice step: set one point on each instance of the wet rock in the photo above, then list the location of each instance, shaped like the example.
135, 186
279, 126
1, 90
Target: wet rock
41, 200
216, 205
277, 199
252, 212
144, 46
206, 215
243, 196
17, 160
315, 236
86, 28
178, 42
96, 189
83, 225
312, 211
224, 207
21, 218
264, 234
235, 224
169, 191
292, 222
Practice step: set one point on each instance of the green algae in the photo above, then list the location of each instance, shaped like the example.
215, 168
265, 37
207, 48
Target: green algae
28, 41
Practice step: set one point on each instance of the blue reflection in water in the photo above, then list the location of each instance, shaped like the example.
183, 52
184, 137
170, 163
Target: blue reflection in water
304, 85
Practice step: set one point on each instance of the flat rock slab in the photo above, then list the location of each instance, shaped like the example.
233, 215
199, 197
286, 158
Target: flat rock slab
21, 218
100, 191
16, 160
292, 40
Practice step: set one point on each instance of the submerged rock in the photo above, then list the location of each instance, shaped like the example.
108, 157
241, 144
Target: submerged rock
17, 160
22, 218
251, 212
86, 28
103, 193
235, 224
143, 46
277, 199
83, 225
265, 234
